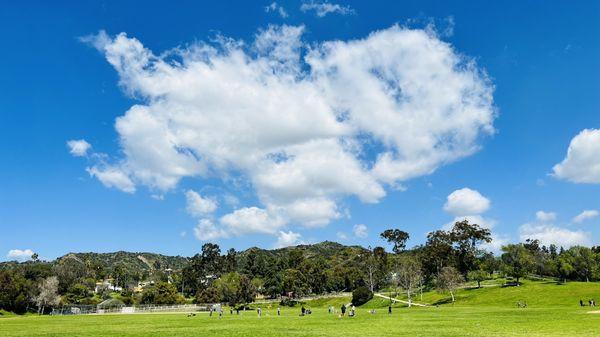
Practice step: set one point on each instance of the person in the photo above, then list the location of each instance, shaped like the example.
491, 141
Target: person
278, 311
353, 310
581, 303
329, 309
230, 310
303, 311
390, 309
259, 311
343, 309
237, 310
210, 312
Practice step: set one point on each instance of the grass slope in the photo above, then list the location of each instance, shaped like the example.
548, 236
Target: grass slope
553, 311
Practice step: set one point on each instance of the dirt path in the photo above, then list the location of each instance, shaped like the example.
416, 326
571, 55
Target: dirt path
402, 301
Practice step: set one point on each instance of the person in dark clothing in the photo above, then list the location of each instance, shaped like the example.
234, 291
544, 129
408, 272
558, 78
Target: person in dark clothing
303, 311
581, 303
343, 310
390, 309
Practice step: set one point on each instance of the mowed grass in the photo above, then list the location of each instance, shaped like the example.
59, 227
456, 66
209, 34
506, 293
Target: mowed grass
553, 311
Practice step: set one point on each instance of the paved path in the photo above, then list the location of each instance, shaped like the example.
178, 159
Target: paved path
402, 301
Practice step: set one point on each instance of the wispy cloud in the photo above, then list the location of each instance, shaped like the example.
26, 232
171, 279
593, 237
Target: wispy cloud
274, 7
322, 9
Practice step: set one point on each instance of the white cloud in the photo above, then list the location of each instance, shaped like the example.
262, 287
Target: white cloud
360, 231
78, 148
251, 220
321, 9
111, 176
586, 215
303, 131
551, 234
286, 239
199, 206
274, 7
466, 202
545, 216
341, 236
206, 230
19, 255
582, 163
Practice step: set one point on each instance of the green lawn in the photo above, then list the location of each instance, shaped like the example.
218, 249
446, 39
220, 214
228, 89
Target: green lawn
553, 311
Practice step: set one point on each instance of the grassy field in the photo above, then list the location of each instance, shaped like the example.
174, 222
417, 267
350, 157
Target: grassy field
553, 310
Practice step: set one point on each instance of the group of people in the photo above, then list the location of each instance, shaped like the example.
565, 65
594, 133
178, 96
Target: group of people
331, 310
591, 302
344, 308
304, 311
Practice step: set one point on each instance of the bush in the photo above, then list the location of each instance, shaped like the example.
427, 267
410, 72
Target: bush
361, 295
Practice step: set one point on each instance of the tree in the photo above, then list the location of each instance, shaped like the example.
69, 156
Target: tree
478, 276
208, 295
396, 237
14, 291
448, 280
361, 295
202, 269
408, 275
161, 293
230, 261
437, 252
294, 282
235, 288
517, 260
466, 237
48, 294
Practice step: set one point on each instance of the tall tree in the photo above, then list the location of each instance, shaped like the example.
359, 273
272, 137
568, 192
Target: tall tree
397, 238
408, 275
518, 261
48, 294
466, 238
448, 280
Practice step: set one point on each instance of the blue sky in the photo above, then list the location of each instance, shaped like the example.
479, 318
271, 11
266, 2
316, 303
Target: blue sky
540, 61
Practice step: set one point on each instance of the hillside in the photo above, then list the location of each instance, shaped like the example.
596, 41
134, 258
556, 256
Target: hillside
144, 262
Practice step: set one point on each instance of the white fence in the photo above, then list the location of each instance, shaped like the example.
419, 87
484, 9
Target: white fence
149, 308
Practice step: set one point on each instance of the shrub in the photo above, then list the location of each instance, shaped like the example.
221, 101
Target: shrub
361, 295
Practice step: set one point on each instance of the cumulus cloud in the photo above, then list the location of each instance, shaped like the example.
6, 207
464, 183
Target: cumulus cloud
582, 163
360, 231
274, 7
586, 215
321, 9
545, 216
483, 222
304, 125
78, 148
251, 220
286, 239
111, 176
551, 234
206, 230
19, 255
466, 202
199, 206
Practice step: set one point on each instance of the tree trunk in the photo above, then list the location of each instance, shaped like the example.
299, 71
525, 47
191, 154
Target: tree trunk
478, 284
409, 300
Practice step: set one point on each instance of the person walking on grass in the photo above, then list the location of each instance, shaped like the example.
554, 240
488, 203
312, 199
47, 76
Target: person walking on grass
390, 309
581, 303
303, 311
278, 311
343, 309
